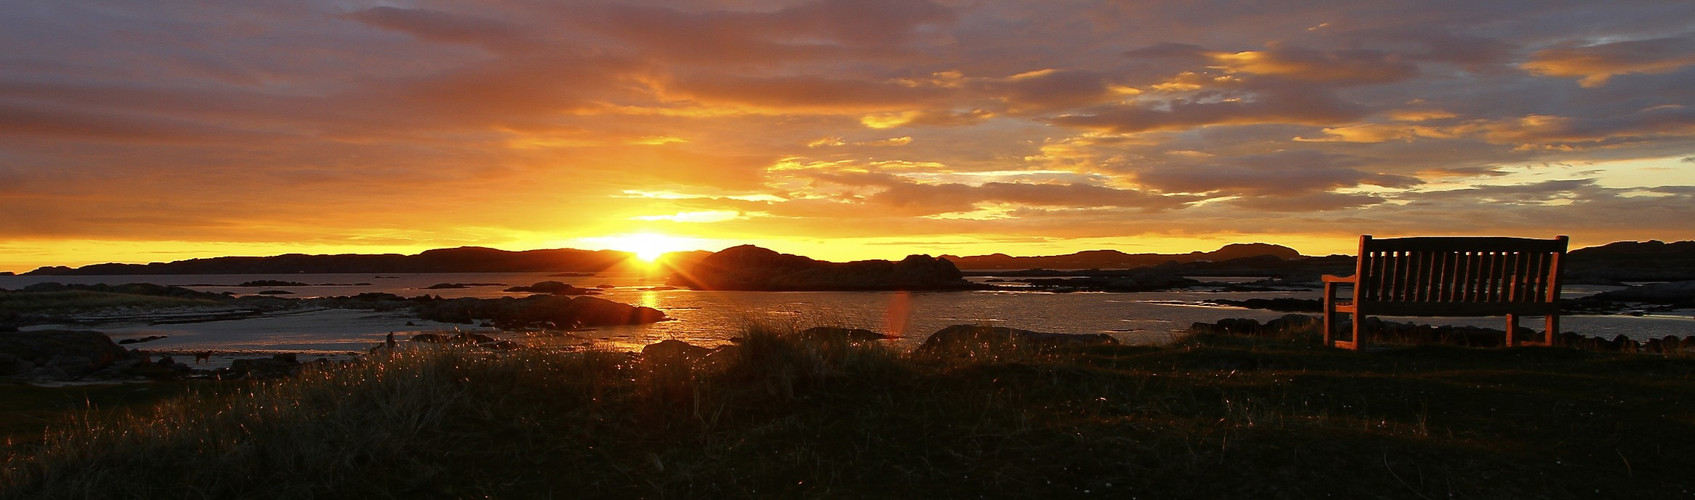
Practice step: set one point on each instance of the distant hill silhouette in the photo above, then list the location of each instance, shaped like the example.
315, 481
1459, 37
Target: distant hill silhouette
1113, 259
446, 260
748, 267
1625, 261
1632, 261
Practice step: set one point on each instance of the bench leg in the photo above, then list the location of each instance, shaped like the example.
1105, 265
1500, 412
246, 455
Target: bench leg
1329, 314
1512, 330
1553, 328
1359, 332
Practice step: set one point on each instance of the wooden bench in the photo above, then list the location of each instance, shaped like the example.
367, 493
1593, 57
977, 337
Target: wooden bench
1449, 276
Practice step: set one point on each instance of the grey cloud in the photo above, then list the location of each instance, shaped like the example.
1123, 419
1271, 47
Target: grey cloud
442, 26
1284, 104
808, 92
1307, 202
928, 199
1278, 174
831, 28
1054, 90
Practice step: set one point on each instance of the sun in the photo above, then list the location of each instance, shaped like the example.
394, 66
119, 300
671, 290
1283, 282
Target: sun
647, 247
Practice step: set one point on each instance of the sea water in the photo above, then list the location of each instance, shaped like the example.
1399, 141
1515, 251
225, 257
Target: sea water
714, 318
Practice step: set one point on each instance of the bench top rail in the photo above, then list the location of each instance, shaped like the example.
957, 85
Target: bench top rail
1459, 270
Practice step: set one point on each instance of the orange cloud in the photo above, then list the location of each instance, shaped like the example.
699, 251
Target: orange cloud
1595, 64
1340, 66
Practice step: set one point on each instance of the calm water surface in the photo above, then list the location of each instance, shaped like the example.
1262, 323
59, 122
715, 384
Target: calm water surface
712, 318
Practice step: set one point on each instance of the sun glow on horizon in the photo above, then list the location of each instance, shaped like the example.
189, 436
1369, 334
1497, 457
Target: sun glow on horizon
647, 247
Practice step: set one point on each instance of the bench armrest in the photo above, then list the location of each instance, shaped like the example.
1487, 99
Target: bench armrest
1341, 279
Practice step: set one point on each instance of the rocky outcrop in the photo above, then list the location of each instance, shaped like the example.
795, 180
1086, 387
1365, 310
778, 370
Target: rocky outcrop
57, 355
749, 267
974, 340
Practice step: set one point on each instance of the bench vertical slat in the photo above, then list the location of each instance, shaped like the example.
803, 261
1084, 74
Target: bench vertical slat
1509, 270
1438, 283
1435, 292
1534, 274
1384, 267
1509, 278
1385, 290
1468, 277
1415, 276
1521, 280
1426, 276
1485, 267
1364, 269
1397, 273
1456, 266
1543, 280
1497, 264
1448, 285
1385, 270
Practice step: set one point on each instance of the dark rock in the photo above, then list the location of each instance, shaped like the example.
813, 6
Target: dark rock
277, 366
270, 283
553, 287
673, 352
148, 338
57, 354
446, 286
974, 340
834, 334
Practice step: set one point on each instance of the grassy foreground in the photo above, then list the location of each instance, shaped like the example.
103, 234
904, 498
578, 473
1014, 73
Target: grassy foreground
778, 416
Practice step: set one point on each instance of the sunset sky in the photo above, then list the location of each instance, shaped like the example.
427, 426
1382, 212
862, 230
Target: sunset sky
137, 131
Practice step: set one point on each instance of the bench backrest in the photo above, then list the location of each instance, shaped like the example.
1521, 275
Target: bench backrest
1451, 271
